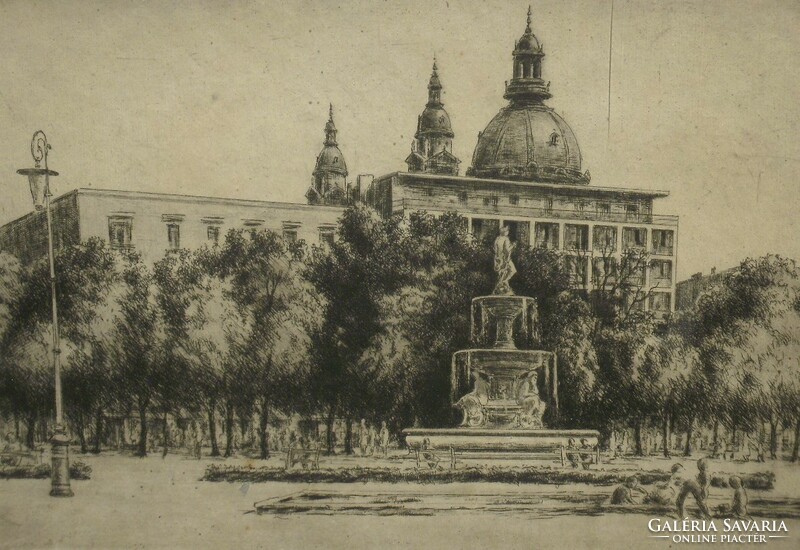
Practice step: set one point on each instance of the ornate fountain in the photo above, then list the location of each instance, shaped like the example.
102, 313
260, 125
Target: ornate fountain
501, 391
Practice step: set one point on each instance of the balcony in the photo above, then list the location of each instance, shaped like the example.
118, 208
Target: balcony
476, 207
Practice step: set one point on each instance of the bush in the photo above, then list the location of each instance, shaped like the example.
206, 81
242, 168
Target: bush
77, 470
521, 475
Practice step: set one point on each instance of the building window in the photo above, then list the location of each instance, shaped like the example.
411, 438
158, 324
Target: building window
576, 237
634, 237
174, 236
577, 270
548, 205
604, 238
660, 302
490, 201
513, 199
326, 235
429, 191
290, 231
604, 271
631, 212
553, 139
662, 241
661, 271
212, 232
290, 235
462, 197
119, 233
485, 230
546, 235
603, 209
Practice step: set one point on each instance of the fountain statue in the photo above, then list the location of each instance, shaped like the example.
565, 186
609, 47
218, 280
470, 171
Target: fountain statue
500, 390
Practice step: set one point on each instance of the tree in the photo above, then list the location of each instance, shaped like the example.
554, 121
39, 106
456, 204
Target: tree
11, 288
139, 334
736, 327
278, 311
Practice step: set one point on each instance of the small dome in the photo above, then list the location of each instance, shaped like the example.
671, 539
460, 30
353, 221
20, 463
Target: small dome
528, 142
435, 119
330, 159
528, 42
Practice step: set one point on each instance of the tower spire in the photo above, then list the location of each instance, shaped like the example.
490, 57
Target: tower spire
528, 26
330, 128
434, 86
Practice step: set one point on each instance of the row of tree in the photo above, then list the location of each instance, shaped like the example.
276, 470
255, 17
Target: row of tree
365, 327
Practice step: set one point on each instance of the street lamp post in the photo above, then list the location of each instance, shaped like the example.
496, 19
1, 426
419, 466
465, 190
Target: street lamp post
39, 180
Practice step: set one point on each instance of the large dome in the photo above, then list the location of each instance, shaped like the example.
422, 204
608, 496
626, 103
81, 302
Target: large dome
530, 142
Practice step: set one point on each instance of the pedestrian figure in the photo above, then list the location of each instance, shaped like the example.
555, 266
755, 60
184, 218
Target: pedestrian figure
363, 437
384, 437
698, 488
624, 494
431, 459
665, 493
373, 441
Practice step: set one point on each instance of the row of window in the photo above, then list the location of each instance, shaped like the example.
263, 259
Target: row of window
602, 209
120, 233
606, 271
576, 237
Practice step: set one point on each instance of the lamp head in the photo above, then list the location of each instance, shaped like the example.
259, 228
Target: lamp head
39, 184
38, 176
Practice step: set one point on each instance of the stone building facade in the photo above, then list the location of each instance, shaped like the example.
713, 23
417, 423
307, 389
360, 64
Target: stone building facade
154, 223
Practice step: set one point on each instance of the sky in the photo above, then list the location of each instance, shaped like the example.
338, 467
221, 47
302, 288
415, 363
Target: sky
229, 99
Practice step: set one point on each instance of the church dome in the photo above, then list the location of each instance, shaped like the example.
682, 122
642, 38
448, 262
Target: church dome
530, 142
330, 159
527, 140
435, 119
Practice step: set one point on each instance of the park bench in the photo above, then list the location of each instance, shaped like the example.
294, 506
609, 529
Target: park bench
585, 457
298, 455
16, 457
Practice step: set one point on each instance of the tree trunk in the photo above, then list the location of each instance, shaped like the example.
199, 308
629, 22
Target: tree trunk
212, 429
637, 436
348, 436
665, 435
30, 436
773, 439
687, 451
715, 438
329, 430
244, 425
165, 435
82, 434
98, 430
229, 427
796, 446
142, 451
263, 436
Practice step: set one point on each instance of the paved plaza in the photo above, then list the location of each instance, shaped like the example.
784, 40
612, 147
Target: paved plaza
160, 503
